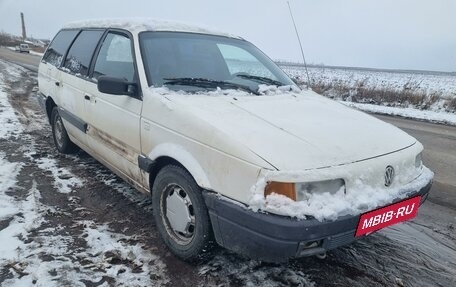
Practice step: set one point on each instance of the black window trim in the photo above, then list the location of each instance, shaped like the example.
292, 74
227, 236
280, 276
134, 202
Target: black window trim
129, 35
89, 75
66, 52
86, 76
141, 47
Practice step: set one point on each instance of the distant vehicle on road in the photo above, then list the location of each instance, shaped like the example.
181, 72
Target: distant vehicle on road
23, 48
228, 146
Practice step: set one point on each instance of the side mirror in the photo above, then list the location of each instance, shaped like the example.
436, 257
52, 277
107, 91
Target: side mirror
116, 86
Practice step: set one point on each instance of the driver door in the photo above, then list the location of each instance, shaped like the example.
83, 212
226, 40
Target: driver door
114, 120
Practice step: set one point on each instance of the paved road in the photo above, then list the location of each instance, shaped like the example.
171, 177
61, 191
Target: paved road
28, 61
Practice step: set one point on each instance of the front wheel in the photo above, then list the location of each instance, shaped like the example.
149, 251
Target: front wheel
181, 213
60, 135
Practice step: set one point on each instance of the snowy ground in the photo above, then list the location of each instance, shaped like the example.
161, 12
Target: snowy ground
427, 82
68, 221
411, 113
431, 96
36, 250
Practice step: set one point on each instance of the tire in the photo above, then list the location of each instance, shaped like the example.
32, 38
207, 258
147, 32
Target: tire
174, 188
61, 140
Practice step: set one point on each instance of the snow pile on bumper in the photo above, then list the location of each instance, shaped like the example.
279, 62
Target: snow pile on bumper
326, 206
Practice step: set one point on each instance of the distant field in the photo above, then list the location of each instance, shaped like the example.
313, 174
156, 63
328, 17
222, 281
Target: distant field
413, 89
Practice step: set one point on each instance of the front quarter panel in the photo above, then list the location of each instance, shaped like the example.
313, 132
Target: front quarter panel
216, 163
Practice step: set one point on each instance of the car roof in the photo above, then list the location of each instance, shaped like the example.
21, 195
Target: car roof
136, 25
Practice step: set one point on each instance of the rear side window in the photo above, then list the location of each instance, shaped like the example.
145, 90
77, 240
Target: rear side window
81, 52
115, 58
56, 51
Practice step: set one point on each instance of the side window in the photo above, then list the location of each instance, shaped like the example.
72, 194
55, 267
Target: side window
81, 52
115, 58
54, 54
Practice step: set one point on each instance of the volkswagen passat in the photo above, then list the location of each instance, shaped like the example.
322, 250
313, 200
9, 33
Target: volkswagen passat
228, 146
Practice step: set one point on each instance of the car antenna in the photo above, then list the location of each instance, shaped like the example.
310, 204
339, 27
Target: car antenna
300, 45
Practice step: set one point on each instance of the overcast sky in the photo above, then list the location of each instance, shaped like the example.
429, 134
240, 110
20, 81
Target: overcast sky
397, 34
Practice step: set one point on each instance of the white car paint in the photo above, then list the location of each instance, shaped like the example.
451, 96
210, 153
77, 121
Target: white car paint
298, 131
230, 144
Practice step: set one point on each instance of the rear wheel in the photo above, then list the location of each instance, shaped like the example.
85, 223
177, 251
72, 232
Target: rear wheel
60, 135
181, 213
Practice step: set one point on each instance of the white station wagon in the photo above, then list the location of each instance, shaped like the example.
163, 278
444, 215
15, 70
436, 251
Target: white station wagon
228, 146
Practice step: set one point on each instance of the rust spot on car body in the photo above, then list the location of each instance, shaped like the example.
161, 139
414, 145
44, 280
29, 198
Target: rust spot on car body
117, 146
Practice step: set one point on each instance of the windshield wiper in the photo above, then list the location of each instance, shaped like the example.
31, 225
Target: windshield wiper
264, 80
208, 83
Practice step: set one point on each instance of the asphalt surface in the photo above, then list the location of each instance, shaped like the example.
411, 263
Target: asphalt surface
26, 60
421, 252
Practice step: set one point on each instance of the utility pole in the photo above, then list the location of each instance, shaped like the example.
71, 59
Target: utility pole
24, 34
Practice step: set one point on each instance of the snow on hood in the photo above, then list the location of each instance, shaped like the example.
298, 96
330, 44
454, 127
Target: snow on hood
294, 131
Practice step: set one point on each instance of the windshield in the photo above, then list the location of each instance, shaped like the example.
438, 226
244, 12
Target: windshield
194, 62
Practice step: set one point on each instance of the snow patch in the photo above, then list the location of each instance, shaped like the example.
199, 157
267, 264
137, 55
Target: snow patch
432, 116
64, 180
13, 71
107, 254
8, 174
263, 90
325, 206
107, 248
25, 218
271, 90
426, 82
9, 123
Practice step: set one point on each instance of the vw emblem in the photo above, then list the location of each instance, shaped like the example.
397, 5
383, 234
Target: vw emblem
389, 175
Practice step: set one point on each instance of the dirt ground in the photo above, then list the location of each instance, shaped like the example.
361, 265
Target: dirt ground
93, 229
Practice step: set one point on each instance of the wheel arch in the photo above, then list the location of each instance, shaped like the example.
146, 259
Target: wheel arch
168, 154
49, 104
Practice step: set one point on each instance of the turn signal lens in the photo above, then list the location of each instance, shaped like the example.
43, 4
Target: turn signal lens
283, 188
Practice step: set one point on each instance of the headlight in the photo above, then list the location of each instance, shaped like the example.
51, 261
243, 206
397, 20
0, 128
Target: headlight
303, 190
418, 161
306, 189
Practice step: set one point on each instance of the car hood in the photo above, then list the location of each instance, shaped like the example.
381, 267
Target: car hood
298, 131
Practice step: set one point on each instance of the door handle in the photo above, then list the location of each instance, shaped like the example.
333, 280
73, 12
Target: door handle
57, 84
86, 97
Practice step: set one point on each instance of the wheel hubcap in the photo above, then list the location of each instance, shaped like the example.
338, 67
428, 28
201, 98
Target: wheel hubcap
179, 217
58, 128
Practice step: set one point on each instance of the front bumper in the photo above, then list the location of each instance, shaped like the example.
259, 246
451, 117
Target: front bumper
275, 238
